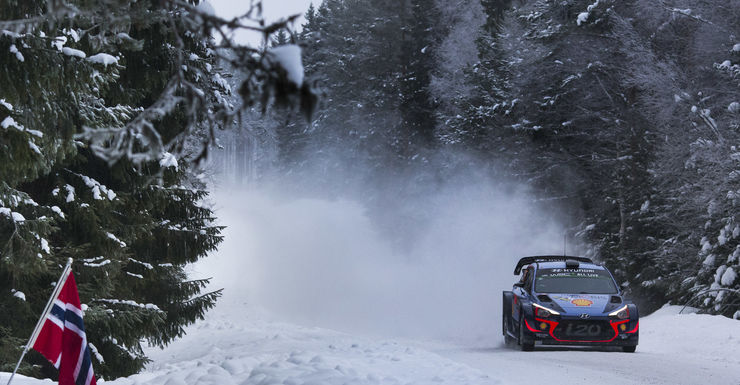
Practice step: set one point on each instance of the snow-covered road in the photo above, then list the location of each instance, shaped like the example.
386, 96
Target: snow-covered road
239, 345
674, 349
572, 366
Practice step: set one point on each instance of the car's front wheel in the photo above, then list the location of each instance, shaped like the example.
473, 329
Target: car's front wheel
629, 349
523, 344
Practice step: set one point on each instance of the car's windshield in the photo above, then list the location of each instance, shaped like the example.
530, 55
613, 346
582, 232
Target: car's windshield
583, 281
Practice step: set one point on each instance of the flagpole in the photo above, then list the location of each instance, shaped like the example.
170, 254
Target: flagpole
47, 309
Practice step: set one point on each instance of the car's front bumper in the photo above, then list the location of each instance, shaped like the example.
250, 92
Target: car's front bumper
598, 331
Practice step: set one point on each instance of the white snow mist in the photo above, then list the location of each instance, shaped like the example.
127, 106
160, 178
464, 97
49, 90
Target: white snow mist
325, 263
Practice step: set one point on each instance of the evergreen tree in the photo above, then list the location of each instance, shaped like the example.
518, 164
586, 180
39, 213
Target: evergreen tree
104, 111
555, 109
695, 84
281, 38
416, 104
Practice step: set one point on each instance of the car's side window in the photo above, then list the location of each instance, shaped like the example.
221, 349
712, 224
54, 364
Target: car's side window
528, 279
523, 278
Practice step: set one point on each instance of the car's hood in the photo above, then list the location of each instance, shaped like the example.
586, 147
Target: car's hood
581, 303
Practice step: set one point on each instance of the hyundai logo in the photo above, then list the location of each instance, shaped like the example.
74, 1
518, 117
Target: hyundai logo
584, 316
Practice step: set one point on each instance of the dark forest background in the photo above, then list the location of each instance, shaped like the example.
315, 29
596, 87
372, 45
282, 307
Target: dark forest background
623, 117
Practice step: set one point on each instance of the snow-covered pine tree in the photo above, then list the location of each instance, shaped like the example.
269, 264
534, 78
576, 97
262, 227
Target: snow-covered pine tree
50, 87
92, 207
104, 107
418, 41
556, 112
352, 54
374, 62
476, 120
698, 50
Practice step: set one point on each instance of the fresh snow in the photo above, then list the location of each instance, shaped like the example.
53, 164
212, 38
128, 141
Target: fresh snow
70, 193
734, 107
94, 350
645, 206
113, 237
168, 160
94, 262
147, 265
239, 345
16, 217
728, 277
59, 42
73, 52
289, 58
681, 349
6, 105
10, 122
18, 54
45, 245
58, 211
129, 303
18, 294
582, 17
72, 33
34, 147
135, 275
104, 59
36, 133
98, 190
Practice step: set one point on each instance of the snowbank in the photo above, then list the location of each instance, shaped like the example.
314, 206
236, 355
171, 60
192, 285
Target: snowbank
710, 337
238, 346
23, 380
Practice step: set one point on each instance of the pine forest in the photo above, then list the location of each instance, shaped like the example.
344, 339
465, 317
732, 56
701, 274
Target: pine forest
621, 117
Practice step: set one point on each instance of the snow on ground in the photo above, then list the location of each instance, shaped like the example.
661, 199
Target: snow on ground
237, 345
699, 337
691, 349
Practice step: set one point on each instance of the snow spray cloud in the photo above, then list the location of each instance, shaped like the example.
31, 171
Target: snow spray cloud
325, 262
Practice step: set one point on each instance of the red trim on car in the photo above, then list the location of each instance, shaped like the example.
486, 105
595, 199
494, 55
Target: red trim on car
635, 329
554, 324
531, 329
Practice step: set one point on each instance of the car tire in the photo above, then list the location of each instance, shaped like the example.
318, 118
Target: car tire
525, 347
629, 349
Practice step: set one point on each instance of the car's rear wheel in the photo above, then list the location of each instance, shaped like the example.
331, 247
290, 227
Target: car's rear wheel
523, 344
629, 349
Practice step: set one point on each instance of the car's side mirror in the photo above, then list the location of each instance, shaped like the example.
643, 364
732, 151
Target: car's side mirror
519, 284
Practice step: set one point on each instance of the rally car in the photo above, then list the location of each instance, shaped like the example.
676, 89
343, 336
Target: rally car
564, 300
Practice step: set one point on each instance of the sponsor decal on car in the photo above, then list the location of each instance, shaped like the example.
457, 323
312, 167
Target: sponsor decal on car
582, 302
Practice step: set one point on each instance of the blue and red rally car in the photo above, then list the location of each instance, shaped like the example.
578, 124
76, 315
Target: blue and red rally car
563, 300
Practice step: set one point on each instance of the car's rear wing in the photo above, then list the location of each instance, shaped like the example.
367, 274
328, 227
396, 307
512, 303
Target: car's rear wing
547, 258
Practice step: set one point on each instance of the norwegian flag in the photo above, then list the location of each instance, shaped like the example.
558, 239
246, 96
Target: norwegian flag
62, 337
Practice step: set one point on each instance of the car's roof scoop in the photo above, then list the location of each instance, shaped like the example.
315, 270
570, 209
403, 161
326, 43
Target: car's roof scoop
571, 264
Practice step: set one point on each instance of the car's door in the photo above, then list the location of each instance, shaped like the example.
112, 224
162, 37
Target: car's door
521, 292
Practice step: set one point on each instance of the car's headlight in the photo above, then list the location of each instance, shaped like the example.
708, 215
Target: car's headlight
543, 312
621, 313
